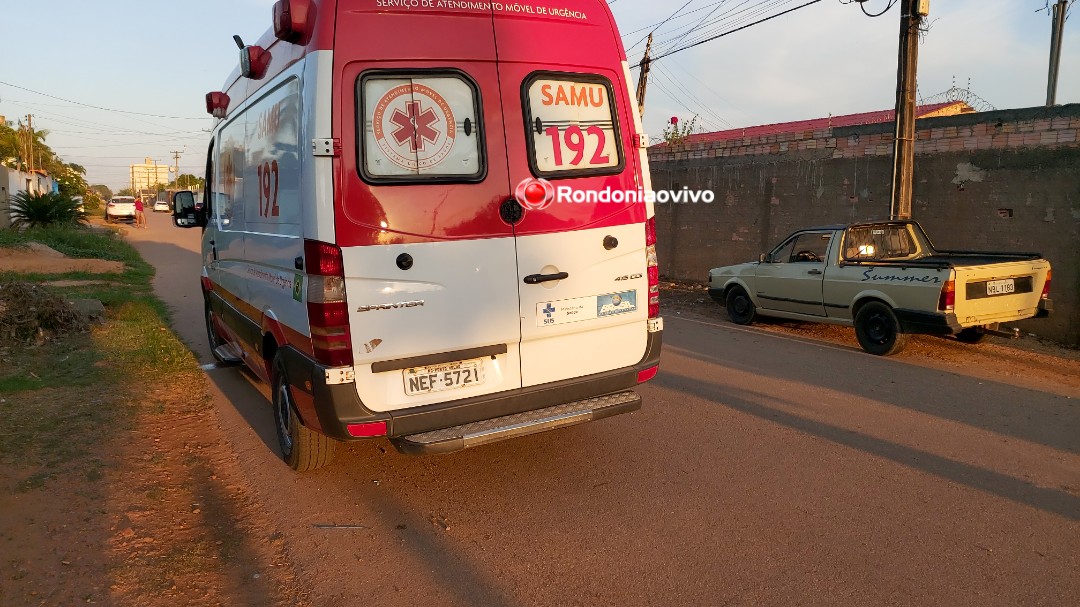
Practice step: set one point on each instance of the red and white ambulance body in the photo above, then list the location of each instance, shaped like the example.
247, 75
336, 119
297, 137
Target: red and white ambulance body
364, 250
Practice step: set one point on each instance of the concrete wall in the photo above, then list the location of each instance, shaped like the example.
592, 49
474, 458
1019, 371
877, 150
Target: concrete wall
1003, 180
12, 182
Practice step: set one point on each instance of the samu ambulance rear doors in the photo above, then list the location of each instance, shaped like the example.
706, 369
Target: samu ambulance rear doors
431, 273
582, 267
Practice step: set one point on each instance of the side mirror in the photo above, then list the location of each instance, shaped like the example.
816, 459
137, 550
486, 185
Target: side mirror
186, 213
763, 258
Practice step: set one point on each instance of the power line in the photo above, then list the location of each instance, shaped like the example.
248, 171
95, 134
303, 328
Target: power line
96, 107
732, 19
692, 45
663, 22
680, 87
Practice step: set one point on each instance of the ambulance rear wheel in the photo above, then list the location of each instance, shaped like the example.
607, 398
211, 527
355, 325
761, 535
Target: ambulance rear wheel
212, 336
302, 448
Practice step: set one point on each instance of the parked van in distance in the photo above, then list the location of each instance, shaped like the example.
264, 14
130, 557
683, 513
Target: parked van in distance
380, 240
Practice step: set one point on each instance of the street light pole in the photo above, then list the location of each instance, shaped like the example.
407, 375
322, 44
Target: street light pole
904, 144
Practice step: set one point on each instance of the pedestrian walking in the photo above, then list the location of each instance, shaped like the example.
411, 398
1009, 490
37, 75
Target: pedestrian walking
140, 216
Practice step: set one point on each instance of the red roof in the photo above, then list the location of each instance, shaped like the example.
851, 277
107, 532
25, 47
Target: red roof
812, 125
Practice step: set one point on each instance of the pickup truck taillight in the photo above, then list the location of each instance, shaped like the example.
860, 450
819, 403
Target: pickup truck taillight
947, 301
328, 312
653, 268
1046, 286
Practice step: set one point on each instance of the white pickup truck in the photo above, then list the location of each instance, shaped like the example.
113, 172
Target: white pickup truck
887, 280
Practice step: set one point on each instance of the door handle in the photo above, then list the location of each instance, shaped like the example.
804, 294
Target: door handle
813, 272
535, 279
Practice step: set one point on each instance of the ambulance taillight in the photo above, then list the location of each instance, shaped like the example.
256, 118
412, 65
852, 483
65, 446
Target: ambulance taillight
1046, 286
328, 311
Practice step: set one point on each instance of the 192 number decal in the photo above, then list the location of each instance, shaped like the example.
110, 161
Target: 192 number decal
575, 140
268, 189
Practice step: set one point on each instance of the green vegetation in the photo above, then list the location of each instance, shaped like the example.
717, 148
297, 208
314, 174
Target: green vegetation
24, 149
674, 133
63, 399
45, 209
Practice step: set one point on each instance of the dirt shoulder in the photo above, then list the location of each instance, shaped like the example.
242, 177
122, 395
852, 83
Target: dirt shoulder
117, 486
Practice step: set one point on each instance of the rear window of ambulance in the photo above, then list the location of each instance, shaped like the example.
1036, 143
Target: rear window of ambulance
573, 130
419, 127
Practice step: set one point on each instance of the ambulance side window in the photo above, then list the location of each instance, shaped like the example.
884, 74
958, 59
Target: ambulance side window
227, 192
419, 126
572, 126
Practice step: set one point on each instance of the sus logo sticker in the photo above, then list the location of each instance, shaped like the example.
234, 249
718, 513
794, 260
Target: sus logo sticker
414, 126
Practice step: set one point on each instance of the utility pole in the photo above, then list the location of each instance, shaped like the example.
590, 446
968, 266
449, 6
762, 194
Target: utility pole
30, 139
1057, 32
176, 160
643, 78
904, 145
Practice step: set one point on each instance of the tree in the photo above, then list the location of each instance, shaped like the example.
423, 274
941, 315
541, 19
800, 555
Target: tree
102, 191
188, 181
674, 133
71, 180
9, 147
126, 192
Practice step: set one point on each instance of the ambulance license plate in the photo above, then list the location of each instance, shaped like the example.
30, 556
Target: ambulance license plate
444, 376
1000, 287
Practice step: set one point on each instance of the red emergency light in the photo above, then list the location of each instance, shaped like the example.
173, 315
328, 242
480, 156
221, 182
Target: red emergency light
294, 20
217, 104
254, 60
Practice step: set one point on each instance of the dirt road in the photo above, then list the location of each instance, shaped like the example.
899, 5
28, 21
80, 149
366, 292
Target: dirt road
769, 465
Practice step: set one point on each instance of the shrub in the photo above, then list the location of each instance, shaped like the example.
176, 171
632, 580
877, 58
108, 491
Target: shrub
46, 209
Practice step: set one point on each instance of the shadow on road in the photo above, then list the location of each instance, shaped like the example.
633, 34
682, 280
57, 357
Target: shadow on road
750, 402
1041, 417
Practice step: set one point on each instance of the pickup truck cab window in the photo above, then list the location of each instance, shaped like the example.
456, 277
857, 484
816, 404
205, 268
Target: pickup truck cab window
808, 247
879, 242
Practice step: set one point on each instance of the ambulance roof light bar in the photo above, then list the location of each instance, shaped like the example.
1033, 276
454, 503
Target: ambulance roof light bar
294, 21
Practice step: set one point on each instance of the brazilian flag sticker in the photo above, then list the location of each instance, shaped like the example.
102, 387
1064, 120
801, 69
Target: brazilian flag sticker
298, 287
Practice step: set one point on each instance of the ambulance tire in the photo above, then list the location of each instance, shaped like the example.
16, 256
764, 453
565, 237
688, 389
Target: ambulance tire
878, 330
212, 335
302, 449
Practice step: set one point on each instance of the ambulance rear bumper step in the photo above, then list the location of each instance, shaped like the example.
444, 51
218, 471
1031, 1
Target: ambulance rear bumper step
227, 354
483, 432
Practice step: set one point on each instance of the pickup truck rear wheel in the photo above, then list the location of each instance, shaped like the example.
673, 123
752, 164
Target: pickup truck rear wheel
971, 335
740, 309
878, 330
302, 448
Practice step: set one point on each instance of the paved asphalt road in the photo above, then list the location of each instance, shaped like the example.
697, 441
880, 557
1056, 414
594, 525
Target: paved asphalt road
761, 470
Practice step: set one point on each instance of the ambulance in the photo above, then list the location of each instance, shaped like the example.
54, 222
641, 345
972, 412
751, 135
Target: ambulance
385, 239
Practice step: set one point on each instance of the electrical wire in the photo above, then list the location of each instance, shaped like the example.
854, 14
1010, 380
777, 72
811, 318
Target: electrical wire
96, 107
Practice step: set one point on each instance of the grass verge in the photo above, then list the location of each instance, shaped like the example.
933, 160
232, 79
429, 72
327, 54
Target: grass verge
61, 399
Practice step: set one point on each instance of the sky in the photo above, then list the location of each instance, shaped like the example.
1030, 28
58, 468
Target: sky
145, 67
